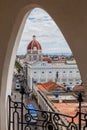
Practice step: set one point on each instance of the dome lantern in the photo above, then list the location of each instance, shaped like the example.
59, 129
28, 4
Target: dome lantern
34, 37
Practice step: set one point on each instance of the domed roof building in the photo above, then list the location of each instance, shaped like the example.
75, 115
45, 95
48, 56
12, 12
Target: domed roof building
34, 50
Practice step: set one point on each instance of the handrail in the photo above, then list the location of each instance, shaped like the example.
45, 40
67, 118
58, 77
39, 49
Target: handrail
46, 120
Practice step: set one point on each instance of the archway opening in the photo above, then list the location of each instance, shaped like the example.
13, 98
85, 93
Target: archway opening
58, 67
52, 41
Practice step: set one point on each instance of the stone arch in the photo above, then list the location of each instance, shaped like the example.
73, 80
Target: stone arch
10, 60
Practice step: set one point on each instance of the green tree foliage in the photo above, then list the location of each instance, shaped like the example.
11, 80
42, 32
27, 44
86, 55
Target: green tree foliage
18, 66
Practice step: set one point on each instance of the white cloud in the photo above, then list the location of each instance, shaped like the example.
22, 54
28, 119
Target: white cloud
39, 23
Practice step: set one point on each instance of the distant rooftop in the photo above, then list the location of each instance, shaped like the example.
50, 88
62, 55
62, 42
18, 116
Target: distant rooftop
50, 86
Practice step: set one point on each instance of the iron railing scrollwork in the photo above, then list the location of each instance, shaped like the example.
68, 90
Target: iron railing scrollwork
21, 119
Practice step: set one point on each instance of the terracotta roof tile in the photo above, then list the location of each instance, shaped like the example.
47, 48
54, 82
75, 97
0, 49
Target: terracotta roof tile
50, 85
68, 109
78, 87
48, 59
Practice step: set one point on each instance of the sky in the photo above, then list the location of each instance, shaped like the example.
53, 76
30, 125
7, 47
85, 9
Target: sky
47, 33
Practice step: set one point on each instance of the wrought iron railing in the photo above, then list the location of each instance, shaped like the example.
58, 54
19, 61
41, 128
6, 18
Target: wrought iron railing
21, 119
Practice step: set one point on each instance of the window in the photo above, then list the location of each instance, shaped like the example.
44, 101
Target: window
77, 83
64, 83
70, 71
70, 83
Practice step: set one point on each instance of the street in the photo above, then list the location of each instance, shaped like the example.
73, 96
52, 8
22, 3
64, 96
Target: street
27, 99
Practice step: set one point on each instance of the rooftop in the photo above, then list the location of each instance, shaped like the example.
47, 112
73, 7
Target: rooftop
50, 86
65, 103
69, 109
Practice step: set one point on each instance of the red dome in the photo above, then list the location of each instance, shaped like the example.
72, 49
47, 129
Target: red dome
34, 43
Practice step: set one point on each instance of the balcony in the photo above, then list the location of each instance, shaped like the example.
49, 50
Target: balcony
21, 119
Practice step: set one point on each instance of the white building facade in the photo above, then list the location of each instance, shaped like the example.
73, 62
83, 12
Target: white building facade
39, 71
